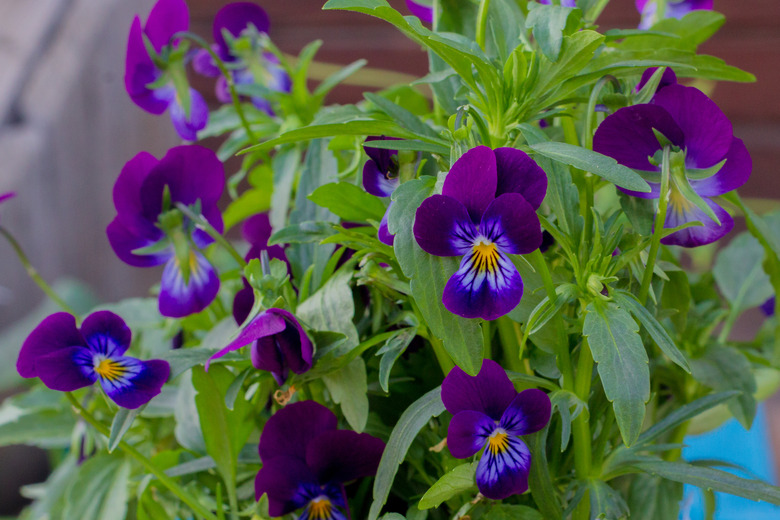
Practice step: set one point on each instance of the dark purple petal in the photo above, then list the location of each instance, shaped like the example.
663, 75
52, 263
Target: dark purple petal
136, 382
490, 391
707, 130
66, 369
289, 431
421, 11
734, 173
343, 455
56, 332
668, 78
188, 127
234, 18
257, 230
6, 196
442, 227
486, 285
472, 180
768, 307
468, 433
106, 333
376, 181
382, 157
518, 173
127, 197
123, 242
511, 223
292, 346
680, 9
681, 211
180, 298
204, 63
564, 3
243, 303
528, 413
627, 135
166, 19
140, 71
504, 473
285, 481
383, 233
265, 324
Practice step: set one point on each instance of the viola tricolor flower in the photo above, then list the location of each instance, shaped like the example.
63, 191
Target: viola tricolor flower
151, 80
66, 358
421, 10
489, 413
307, 461
702, 138
672, 9
149, 230
256, 230
486, 211
279, 344
381, 178
247, 62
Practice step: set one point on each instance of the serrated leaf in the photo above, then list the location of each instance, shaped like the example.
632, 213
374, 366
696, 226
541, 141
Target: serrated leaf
461, 479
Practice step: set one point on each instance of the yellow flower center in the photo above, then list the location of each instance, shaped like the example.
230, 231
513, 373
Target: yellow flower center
680, 205
498, 442
485, 256
320, 509
110, 369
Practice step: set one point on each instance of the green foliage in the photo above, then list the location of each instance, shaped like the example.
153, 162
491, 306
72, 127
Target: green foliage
459, 480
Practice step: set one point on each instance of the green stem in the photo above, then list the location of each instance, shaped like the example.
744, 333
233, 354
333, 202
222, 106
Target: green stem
204, 224
185, 497
482, 16
33, 274
658, 228
581, 427
678, 436
445, 362
233, 500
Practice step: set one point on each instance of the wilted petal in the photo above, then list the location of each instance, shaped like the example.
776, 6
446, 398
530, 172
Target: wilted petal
442, 227
343, 455
289, 349
473, 180
289, 431
518, 173
528, 413
503, 472
180, 298
468, 433
56, 332
681, 211
265, 324
490, 391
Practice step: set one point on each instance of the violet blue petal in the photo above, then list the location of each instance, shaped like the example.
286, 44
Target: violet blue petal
681, 211
376, 182
292, 344
66, 369
282, 479
222, 90
421, 11
734, 173
257, 230
188, 128
140, 71
265, 324
564, 3
138, 382
382, 157
6, 196
124, 242
529, 412
279, 80
468, 433
289, 431
55, 332
486, 285
708, 132
504, 473
472, 180
518, 173
768, 307
668, 78
267, 355
179, 298
490, 391
682, 7
243, 303
127, 198
343, 455
234, 18
204, 63
166, 18
654, 193
106, 333
511, 223
442, 227
383, 233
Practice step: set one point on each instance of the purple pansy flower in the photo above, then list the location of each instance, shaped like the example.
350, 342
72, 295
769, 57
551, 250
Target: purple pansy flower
696, 127
151, 80
673, 9
486, 211
248, 66
148, 229
489, 413
66, 358
279, 344
381, 178
420, 10
564, 3
307, 461
768, 307
256, 230
667, 78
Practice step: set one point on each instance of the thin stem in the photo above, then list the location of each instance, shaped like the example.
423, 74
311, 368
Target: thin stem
482, 16
204, 224
658, 227
445, 362
581, 427
233, 500
33, 274
185, 497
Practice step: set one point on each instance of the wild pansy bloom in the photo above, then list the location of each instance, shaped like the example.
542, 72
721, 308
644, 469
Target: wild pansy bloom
157, 82
672, 9
150, 230
307, 461
489, 413
421, 10
236, 29
66, 358
279, 344
381, 176
256, 230
705, 157
486, 211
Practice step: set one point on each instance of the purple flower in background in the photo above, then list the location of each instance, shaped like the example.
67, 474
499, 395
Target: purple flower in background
421, 10
151, 80
5, 196
564, 3
673, 9
307, 461
66, 358
667, 78
249, 64
256, 231
696, 127
148, 229
487, 210
768, 307
381, 178
279, 344
489, 413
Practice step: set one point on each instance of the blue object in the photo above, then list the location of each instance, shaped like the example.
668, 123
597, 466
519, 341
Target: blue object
751, 450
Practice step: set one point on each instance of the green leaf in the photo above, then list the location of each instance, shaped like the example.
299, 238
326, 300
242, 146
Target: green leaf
337, 77
41, 420
406, 429
548, 23
739, 273
651, 498
348, 202
726, 368
250, 202
512, 512
614, 340
413, 145
349, 388
402, 116
332, 308
302, 233
459, 480
390, 353
713, 68
187, 431
539, 478
122, 421
596, 163
563, 401
99, 490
